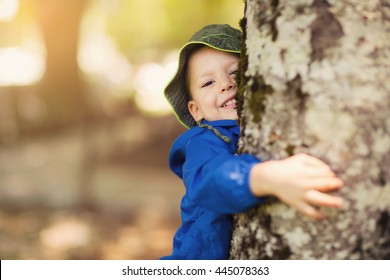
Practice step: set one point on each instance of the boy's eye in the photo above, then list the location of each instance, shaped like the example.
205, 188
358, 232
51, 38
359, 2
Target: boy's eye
207, 84
235, 72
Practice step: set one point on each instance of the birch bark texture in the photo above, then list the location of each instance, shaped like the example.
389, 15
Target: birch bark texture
316, 80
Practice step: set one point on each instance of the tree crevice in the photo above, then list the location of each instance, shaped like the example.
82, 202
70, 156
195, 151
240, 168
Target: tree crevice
325, 30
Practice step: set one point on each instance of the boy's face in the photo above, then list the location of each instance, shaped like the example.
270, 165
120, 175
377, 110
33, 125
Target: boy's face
211, 80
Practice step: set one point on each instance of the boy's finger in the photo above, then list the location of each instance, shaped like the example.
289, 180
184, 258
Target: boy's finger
322, 199
314, 165
318, 171
324, 184
313, 161
310, 211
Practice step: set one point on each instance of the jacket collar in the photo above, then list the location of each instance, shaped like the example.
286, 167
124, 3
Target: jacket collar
231, 125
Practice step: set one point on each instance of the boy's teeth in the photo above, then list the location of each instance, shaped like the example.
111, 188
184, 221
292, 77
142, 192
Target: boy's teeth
230, 102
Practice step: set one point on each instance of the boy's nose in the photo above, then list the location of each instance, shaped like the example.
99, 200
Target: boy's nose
228, 85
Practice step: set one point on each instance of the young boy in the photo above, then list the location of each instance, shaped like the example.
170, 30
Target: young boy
218, 182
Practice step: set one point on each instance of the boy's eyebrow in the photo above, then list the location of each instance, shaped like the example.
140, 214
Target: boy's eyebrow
201, 79
210, 73
204, 75
235, 63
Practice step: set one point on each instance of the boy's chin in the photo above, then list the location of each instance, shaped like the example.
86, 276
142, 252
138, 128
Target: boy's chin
232, 118
224, 119
235, 117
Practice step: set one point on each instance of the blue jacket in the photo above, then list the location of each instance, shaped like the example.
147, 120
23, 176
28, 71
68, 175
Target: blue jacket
217, 185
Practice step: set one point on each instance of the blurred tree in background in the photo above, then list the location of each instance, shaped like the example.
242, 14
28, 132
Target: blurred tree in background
61, 87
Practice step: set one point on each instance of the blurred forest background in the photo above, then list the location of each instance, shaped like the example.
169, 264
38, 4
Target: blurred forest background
85, 131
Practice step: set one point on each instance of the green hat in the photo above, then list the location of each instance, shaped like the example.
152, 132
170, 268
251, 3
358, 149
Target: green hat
217, 36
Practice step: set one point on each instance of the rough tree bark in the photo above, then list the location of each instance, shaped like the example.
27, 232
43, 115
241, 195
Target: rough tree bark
317, 81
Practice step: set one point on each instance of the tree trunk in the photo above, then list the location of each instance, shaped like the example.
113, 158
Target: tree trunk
317, 81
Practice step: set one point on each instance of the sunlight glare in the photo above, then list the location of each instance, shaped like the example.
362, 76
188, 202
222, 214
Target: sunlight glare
66, 233
98, 55
20, 66
150, 81
8, 9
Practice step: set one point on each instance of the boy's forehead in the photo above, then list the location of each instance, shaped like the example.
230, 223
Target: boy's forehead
207, 56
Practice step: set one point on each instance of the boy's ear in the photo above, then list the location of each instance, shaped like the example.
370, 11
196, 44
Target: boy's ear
194, 110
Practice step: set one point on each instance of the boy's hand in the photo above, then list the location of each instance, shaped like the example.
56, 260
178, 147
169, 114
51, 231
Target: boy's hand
300, 181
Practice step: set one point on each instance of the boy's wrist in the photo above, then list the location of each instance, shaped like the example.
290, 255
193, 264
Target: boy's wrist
259, 180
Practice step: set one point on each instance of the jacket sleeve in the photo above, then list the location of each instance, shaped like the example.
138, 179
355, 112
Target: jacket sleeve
216, 179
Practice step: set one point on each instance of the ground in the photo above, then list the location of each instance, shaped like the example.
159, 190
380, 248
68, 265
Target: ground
102, 194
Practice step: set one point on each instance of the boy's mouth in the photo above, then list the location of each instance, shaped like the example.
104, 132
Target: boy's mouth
231, 103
